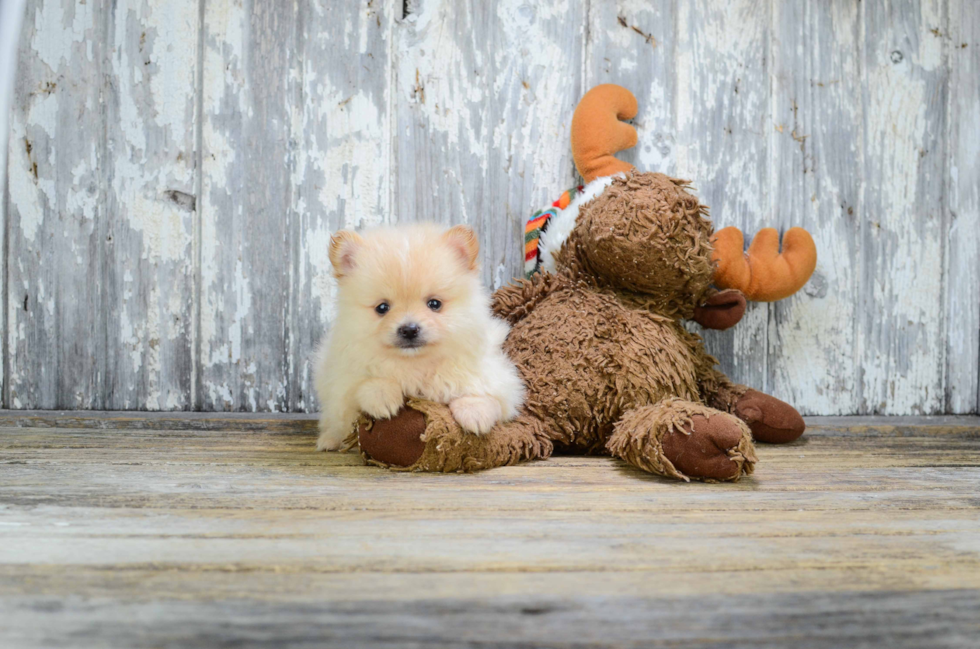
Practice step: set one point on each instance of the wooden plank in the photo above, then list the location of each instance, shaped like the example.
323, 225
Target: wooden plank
900, 329
862, 490
280, 585
875, 485
944, 619
441, 87
120, 338
816, 184
962, 221
341, 174
251, 91
296, 422
900, 425
722, 117
11, 19
57, 218
159, 420
203, 538
151, 106
633, 44
535, 65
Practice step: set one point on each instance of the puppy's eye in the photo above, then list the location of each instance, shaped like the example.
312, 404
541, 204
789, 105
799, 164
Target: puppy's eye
435, 305
382, 308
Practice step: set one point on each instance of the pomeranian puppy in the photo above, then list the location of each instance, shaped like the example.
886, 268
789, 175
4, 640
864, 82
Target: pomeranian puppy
412, 320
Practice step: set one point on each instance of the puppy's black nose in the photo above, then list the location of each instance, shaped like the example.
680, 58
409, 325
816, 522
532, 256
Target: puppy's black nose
409, 331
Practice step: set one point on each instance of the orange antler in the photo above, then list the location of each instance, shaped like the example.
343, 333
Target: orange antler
764, 274
597, 133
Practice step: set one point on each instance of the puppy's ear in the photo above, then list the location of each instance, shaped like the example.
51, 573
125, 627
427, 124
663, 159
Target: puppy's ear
343, 251
463, 240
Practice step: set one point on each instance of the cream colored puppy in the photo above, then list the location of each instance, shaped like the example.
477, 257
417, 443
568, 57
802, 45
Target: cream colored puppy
413, 319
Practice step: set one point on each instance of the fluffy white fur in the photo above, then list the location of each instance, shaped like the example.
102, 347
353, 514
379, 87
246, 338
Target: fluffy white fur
563, 223
360, 366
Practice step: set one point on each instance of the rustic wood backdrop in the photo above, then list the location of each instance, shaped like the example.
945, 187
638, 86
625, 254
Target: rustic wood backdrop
176, 168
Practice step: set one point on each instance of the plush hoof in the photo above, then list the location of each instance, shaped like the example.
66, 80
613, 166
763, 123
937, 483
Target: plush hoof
770, 420
396, 441
708, 448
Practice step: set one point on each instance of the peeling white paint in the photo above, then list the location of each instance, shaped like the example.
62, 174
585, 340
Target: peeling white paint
721, 144
174, 59
903, 370
443, 70
56, 31
316, 244
225, 106
963, 217
814, 181
26, 191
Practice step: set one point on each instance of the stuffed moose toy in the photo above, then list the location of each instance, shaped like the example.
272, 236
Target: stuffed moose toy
597, 333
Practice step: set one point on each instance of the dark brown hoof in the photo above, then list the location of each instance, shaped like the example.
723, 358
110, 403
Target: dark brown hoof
704, 452
396, 441
770, 420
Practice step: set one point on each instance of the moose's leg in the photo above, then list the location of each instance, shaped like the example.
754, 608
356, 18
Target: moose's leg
684, 440
423, 436
771, 420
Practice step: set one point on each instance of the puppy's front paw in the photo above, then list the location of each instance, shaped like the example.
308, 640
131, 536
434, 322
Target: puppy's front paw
331, 436
380, 399
476, 414
329, 442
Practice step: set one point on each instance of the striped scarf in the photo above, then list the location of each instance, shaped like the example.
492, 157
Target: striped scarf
537, 224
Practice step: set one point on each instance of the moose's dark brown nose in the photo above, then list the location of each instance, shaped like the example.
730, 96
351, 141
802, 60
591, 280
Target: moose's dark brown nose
722, 310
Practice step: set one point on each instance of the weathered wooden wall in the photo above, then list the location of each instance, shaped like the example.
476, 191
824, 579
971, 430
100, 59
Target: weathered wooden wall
176, 168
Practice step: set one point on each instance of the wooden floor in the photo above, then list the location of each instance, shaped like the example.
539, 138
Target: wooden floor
119, 531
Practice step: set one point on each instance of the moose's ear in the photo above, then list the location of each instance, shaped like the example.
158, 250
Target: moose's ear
722, 310
343, 251
463, 240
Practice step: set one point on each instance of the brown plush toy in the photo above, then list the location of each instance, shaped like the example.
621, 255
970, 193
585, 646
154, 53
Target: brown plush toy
597, 334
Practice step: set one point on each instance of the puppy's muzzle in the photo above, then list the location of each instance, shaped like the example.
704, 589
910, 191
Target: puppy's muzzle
409, 336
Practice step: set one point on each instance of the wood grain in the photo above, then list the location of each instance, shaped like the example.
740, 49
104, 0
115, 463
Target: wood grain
275, 422
140, 536
944, 619
165, 233
250, 91
962, 272
903, 94
150, 122
11, 18
57, 217
816, 183
722, 122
